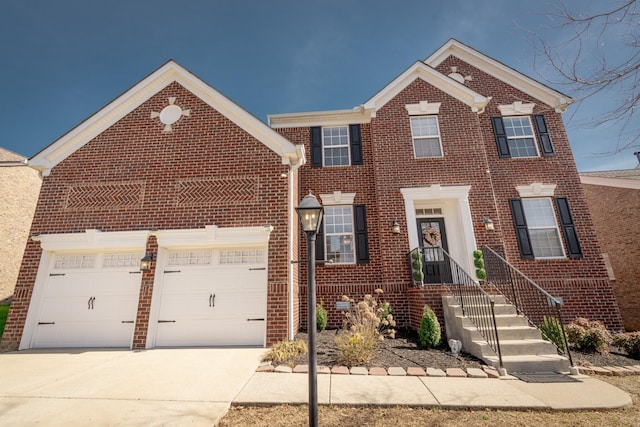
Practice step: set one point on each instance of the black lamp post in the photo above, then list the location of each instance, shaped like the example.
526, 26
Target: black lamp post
310, 213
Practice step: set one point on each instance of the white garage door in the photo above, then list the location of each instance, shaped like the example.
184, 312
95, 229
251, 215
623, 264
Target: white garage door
213, 298
90, 300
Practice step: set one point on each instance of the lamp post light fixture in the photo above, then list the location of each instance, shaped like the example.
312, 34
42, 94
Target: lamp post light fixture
145, 263
310, 213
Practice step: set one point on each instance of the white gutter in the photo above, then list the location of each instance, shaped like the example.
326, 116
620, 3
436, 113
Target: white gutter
292, 223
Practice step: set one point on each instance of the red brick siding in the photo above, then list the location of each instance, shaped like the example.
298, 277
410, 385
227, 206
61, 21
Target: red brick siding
205, 145
616, 216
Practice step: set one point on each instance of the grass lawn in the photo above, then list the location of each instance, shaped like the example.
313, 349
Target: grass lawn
287, 415
4, 310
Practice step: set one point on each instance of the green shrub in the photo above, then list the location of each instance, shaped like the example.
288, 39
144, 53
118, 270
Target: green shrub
629, 342
588, 335
477, 254
285, 350
4, 312
429, 335
321, 317
364, 325
552, 331
478, 262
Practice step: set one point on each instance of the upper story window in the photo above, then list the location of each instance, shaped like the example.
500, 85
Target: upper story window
426, 137
520, 137
335, 146
543, 228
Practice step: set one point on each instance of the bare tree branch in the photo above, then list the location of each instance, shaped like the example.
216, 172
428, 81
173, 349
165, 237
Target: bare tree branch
599, 55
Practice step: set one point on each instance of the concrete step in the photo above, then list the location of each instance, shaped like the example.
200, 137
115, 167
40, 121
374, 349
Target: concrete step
507, 333
502, 320
498, 309
518, 347
539, 363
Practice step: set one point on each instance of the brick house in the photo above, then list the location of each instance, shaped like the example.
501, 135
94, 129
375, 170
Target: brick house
19, 188
175, 170
454, 142
616, 194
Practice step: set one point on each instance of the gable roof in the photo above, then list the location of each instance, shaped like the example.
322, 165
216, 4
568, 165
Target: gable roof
425, 72
168, 73
624, 178
526, 84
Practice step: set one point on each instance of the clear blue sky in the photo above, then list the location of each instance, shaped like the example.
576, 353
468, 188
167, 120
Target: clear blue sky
63, 60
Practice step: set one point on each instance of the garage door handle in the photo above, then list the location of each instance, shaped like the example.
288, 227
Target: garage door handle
258, 268
166, 321
56, 274
171, 271
127, 321
256, 320
90, 303
46, 323
212, 300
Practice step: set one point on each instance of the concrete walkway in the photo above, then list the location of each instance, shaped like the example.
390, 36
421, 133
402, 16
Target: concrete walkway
121, 387
444, 392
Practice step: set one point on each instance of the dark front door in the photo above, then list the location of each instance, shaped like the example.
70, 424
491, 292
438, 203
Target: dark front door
433, 239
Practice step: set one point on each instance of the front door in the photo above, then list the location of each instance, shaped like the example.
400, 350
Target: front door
433, 239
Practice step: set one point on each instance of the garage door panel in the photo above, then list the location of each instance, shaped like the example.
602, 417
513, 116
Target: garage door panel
84, 334
87, 308
208, 305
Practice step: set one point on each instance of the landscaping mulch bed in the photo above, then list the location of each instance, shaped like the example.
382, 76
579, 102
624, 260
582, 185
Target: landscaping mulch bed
404, 352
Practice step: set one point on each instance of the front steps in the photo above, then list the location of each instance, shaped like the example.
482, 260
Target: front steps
522, 346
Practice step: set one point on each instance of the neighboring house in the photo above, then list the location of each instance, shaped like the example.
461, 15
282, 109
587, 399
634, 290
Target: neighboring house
19, 188
614, 202
173, 169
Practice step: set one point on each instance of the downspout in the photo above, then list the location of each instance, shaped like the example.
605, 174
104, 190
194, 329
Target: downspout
292, 223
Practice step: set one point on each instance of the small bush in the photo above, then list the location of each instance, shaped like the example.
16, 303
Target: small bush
429, 335
363, 326
552, 331
629, 342
588, 335
321, 317
285, 350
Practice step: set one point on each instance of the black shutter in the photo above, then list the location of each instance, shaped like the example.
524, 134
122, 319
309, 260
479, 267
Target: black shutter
362, 244
316, 146
320, 243
501, 137
522, 233
568, 229
543, 135
356, 144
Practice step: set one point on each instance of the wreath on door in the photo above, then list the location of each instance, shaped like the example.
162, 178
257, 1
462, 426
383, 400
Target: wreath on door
432, 236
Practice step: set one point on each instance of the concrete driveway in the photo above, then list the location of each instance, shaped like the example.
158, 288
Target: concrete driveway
120, 387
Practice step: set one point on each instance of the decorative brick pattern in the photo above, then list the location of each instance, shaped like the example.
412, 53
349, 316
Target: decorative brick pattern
101, 195
217, 191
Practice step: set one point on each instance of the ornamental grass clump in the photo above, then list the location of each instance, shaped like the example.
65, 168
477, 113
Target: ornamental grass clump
552, 331
364, 325
285, 350
321, 317
588, 335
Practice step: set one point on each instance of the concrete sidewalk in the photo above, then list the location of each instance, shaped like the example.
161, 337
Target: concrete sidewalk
357, 390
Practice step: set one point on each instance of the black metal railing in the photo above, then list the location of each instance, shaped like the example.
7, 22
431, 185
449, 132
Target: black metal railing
538, 306
476, 304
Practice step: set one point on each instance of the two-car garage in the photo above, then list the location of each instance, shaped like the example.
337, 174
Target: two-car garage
206, 291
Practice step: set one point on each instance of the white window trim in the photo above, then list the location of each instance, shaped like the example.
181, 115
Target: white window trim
413, 138
557, 228
518, 108
534, 136
348, 145
337, 198
423, 108
536, 189
353, 237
